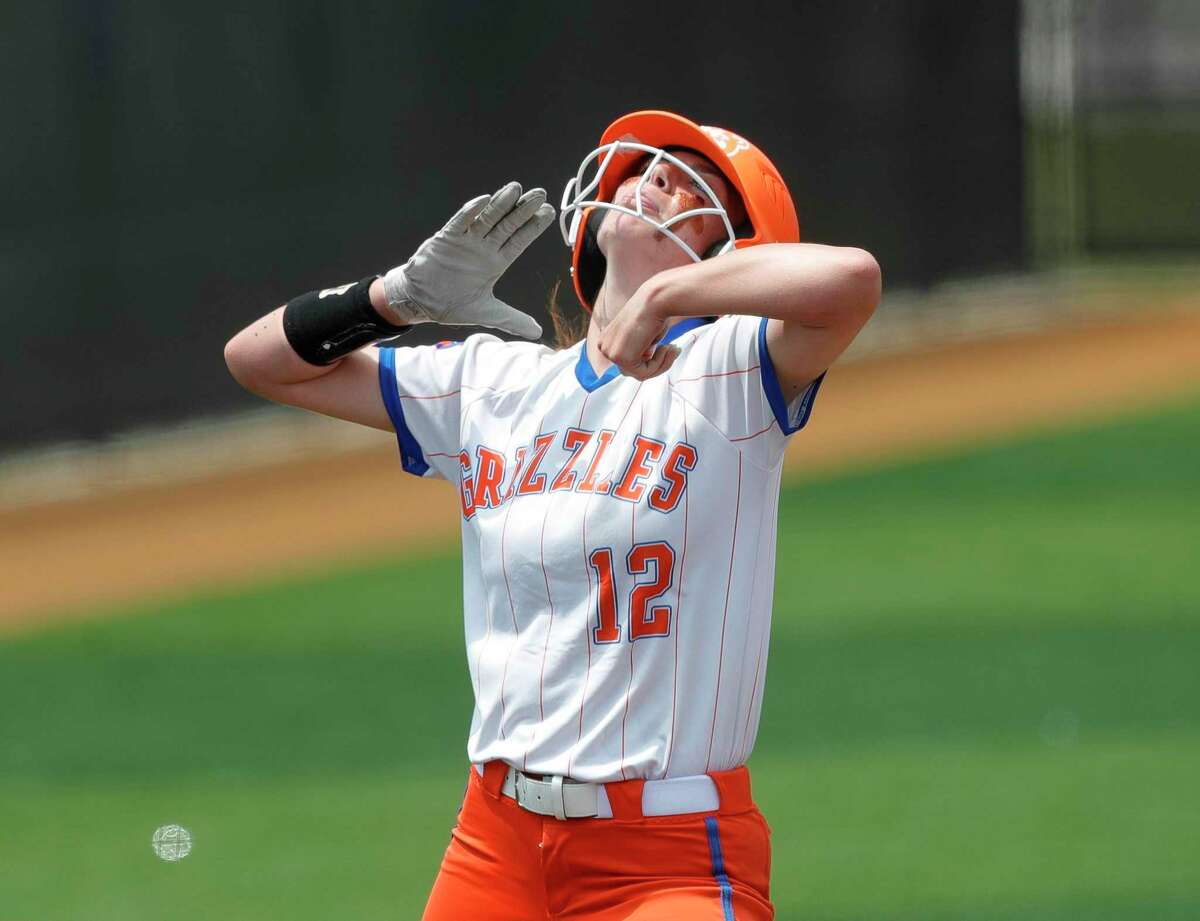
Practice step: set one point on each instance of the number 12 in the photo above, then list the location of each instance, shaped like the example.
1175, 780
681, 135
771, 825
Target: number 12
644, 619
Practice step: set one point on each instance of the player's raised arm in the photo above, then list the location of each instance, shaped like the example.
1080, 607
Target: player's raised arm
307, 352
816, 297
264, 361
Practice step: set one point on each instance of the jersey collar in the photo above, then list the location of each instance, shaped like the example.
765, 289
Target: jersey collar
589, 380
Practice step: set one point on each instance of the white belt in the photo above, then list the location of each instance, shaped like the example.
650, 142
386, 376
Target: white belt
564, 798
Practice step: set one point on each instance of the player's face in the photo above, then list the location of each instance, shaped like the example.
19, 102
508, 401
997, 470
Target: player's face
669, 191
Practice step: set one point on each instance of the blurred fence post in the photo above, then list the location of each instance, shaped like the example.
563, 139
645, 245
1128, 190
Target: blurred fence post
1049, 74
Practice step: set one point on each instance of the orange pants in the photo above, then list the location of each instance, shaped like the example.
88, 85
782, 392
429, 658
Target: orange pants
507, 864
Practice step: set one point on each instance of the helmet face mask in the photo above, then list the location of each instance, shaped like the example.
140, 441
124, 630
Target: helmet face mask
578, 196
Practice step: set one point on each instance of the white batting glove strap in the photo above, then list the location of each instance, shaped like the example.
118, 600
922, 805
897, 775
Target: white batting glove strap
449, 279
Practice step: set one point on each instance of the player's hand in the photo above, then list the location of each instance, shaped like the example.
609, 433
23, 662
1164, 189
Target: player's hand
629, 340
449, 279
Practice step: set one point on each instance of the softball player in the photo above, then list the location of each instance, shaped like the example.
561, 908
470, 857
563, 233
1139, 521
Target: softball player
618, 505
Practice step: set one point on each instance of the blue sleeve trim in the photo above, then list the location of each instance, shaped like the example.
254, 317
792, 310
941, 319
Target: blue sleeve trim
412, 459
770, 383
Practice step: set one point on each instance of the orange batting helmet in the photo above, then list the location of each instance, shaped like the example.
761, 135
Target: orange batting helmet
770, 213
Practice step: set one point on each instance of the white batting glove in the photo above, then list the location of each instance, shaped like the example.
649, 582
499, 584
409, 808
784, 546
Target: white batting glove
450, 277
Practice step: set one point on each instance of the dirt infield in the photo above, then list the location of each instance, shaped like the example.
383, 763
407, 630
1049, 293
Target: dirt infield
65, 560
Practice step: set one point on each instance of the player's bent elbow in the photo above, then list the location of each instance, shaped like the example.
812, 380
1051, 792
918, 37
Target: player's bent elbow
850, 288
863, 269
241, 367
863, 281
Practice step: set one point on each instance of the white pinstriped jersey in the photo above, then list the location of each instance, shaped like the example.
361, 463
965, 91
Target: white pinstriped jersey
618, 542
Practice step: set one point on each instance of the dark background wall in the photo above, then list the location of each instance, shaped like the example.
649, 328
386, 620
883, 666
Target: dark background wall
174, 170
1137, 127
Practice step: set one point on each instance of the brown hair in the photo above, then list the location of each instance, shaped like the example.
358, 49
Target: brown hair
567, 329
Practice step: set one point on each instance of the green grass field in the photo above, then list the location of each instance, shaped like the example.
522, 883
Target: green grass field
983, 703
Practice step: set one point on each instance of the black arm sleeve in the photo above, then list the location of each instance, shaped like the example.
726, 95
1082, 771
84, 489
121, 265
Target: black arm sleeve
323, 326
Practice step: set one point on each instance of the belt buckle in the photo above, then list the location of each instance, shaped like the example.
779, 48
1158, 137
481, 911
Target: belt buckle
557, 800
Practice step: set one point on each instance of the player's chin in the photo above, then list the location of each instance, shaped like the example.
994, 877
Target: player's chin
649, 241
626, 233
630, 225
